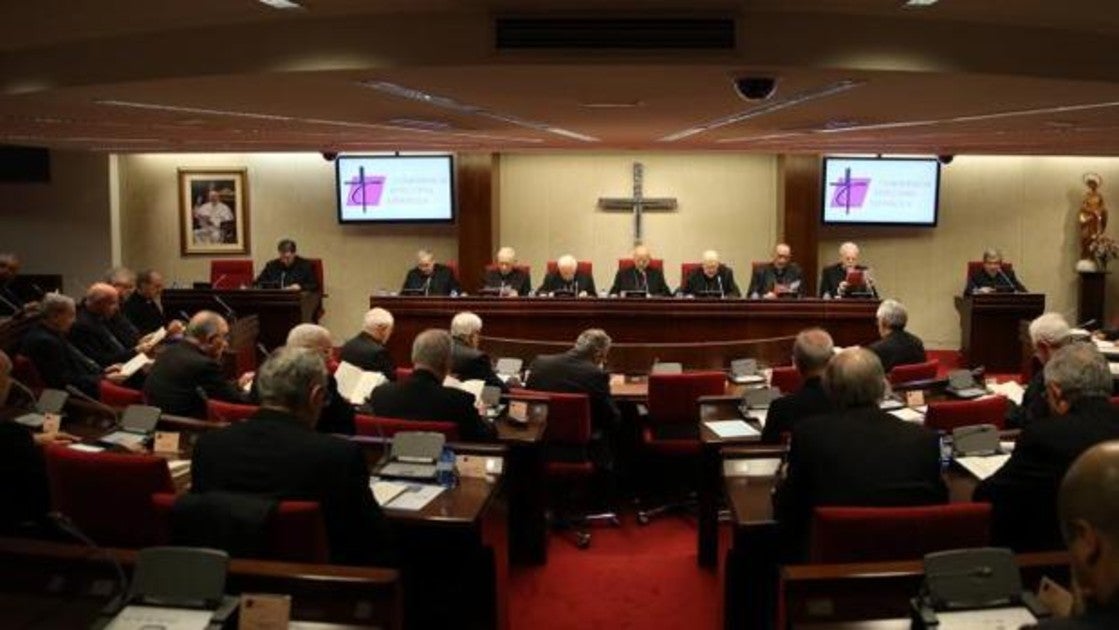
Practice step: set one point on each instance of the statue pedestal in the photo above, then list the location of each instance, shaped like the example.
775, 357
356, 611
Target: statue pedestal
1091, 300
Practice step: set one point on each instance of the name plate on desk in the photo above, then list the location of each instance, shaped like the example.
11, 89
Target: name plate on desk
766, 467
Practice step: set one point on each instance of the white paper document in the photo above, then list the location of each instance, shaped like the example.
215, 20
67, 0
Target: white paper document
991, 619
86, 448
385, 491
751, 467
137, 617
909, 415
473, 386
1011, 389
413, 497
135, 364
356, 384
760, 415
731, 428
983, 466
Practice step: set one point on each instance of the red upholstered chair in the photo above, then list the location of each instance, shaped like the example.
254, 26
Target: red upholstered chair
686, 270
975, 266
24, 371
948, 414
379, 426
231, 274
296, 533
914, 372
221, 411
316, 266
107, 495
654, 263
403, 373
786, 378
584, 267
117, 396
453, 266
671, 428
869, 534
524, 268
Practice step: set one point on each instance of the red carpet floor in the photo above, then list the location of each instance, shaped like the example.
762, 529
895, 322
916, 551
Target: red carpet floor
631, 577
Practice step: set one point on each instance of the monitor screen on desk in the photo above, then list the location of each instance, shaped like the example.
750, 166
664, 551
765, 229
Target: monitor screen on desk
395, 188
880, 191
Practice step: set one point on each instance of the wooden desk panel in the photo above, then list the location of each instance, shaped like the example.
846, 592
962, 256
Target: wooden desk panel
279, 311
989, 328
709, 325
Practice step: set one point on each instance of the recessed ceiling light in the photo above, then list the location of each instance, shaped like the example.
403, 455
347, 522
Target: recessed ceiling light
281, 4
612, 104
908, 3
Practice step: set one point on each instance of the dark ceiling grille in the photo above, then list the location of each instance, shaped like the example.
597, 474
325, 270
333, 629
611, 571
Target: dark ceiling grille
617, 33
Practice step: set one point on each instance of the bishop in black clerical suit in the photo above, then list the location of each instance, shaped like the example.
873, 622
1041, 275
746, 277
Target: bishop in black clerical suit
288, 271
641, 276
993, 277
713, 278
517, 281
430, 278
833, 278
56, 360
567, 279
143, 308
782, 276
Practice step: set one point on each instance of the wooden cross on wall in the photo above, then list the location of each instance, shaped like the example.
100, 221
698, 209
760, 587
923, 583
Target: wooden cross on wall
638, 203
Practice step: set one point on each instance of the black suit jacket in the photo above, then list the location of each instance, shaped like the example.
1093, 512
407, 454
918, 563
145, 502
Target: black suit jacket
470, 363
366, 353
787, 411
12, 303
146, 315
92, 336
572, 374
899, 348
177, 374
423, 397
856, 457
300, 272
631, 280
276, 455
59, 363
832, 275
1034, 405
766, 277
554, 282
1008, 284
698, 282
443, 282
1023, 493
1095, 617
518, 279
26, 494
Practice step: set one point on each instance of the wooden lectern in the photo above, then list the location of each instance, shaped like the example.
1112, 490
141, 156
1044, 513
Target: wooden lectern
989, 328
279, 311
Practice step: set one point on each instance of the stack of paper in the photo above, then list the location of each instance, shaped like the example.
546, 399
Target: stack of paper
135, 364
356, 384
473, 387
410, 497
909, 415
1010, 389
731, 428
983, 466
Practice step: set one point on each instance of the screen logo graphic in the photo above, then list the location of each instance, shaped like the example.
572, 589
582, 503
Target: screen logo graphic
849, 192
365, 192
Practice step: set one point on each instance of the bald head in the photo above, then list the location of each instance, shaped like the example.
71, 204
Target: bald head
641, 257
209, 331
102, 298
710, 263
812, 351
855, 378
567, 265
1088, 507
506, 259
849, 254
782, 254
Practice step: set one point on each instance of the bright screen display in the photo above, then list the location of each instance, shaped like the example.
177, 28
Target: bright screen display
395, 189
880, 191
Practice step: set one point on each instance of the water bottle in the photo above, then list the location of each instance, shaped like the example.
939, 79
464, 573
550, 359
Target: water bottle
445, 469
945, 452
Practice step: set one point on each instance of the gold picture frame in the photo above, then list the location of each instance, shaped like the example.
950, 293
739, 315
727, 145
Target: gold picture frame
213, 211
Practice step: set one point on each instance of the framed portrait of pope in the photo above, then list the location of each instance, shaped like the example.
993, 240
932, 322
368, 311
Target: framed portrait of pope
213, 212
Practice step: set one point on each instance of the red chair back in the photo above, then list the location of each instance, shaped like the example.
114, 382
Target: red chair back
686, 270
584, 267
948, 414
869, 534
24, 371
107, 495
236, 272
295, 534
403, 373
524, 268
116, 396
786, 378
672, 397
914, 372
379, 426
569, 417
974, 267
453, 266
221, 411
316, 266
627, 263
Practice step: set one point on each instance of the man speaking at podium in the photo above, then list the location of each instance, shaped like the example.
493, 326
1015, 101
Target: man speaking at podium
993, 278
289, 271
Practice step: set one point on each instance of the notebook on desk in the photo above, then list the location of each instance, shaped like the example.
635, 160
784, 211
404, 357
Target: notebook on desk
743, 371
51, 401
962, 385
414, 455
136, 427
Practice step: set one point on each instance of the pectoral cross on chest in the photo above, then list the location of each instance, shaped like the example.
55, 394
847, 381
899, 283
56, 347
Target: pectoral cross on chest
638, 203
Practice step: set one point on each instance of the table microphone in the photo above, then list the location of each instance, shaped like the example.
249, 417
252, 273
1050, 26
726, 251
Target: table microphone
283, 279
262, 350
719, 278
26, 390
16, 309
38, 289
229, 312
1013, 287
93, 401
217, 282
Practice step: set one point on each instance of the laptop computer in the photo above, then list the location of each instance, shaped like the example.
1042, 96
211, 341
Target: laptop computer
414, 455
50, 401
137, 424
977, 439
962, 385
743, 371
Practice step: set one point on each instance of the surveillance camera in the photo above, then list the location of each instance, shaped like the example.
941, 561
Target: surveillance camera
755, 88
945, 159
329, 156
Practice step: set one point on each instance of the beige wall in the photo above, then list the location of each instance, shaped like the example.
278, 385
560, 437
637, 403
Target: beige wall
290, 195
726, 202
61, 226
1025, 206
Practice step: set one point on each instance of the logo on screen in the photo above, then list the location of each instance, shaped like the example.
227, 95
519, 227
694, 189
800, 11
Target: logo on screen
365, 192
849, 192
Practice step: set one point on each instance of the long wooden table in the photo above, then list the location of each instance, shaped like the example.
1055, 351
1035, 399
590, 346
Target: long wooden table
709, 325
279, 311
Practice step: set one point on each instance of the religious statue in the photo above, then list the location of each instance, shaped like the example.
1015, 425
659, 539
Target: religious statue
1092, 217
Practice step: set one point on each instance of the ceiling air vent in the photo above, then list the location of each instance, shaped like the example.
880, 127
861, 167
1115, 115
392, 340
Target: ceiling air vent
616, 33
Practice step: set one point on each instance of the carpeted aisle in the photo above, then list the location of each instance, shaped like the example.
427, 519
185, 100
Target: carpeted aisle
631, 577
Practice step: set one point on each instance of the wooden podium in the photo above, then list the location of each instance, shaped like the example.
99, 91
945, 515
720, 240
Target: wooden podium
989, 328
278, 311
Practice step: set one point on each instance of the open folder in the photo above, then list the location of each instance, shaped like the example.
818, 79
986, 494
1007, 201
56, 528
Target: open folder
355, 384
